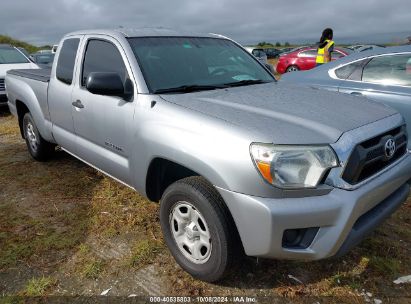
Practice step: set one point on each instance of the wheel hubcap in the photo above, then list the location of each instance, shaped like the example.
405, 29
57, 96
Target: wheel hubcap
190, 232
31, 136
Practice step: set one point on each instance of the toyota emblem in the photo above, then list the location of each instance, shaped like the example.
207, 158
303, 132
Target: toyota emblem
389, 148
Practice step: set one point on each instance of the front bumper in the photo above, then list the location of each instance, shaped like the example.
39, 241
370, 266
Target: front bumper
3, 98
344, 217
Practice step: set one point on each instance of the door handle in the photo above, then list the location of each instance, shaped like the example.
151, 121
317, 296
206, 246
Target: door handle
78, 104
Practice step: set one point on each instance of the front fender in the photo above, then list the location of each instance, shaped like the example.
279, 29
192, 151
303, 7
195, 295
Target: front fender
215, 149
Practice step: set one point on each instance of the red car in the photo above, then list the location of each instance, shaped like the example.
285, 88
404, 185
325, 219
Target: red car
304, 59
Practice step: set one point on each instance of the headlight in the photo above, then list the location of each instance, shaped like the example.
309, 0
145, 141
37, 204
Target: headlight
288, 166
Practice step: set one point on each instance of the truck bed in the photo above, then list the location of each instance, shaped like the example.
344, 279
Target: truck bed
36, 74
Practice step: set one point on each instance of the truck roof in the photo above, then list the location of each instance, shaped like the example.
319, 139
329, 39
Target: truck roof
144, 32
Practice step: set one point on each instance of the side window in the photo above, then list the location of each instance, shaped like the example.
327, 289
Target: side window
351, 71
102, 56
390, 70
308, 53
67, 57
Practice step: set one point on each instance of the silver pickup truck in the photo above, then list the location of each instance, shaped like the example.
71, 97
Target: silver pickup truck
239, 162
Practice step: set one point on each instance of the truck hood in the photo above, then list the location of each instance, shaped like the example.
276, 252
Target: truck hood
285, 114
5, 67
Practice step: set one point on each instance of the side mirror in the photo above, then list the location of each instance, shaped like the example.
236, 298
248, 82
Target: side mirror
109, 84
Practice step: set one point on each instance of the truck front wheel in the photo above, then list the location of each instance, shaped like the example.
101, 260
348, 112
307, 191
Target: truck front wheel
198, 228
38, 148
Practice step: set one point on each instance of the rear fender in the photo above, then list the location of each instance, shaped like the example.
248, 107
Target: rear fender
20, 91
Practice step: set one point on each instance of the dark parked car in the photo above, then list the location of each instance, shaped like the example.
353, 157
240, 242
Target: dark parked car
382, 75
304, 59
272, 52
43, 60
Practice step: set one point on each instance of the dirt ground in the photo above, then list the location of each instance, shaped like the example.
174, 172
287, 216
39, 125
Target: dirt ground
67, 230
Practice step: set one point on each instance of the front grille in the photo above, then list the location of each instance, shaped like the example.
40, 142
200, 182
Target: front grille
2, 86
369, 157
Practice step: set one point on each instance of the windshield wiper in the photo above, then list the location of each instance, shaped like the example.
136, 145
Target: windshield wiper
189, 88
246, 82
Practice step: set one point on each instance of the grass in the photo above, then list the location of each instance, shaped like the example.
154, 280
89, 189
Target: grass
86, 231
37, 287
385, 265
87, 264
9, 127
117, 209
144, 252
93, 269
23, 237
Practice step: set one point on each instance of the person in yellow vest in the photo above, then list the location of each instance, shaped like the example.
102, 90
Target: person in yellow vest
325, 47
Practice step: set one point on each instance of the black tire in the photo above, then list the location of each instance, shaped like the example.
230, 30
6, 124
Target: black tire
39, 148
292, 68
224, 239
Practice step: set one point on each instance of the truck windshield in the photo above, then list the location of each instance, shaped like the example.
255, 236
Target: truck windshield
186, 64
9, 55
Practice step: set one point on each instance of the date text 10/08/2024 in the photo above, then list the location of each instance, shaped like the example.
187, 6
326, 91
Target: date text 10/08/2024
234, 299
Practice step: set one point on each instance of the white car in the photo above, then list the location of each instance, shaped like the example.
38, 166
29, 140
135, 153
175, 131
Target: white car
11, 58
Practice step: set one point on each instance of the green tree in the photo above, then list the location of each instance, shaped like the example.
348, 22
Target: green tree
264, 43
287, 44
8, 40
278, 43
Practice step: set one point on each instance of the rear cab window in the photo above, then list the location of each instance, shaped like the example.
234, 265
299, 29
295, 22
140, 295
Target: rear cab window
66, 60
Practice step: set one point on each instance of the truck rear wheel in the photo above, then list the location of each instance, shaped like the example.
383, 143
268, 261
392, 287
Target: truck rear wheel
38, 148
198, 228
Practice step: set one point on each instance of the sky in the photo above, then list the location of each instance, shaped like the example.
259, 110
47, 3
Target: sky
297, 21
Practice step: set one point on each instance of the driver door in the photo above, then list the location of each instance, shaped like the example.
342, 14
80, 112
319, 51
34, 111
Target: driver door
103, 124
